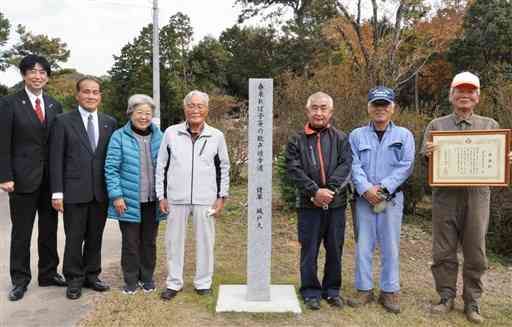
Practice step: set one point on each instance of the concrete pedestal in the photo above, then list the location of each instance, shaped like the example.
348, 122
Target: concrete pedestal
233, 298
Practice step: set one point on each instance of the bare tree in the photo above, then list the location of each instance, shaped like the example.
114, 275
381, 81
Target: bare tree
375, 43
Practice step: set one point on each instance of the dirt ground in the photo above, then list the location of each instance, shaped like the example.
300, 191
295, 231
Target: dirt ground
188, 309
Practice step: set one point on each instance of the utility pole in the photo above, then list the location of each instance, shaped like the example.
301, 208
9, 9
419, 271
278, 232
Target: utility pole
156, 64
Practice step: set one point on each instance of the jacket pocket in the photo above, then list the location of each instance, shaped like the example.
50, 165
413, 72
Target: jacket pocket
396, 151
364, 152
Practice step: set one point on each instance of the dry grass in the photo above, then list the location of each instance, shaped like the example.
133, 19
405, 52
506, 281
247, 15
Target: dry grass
188, 309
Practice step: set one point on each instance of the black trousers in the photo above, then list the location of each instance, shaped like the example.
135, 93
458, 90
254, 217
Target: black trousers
23, 208
84, 224
316, 225
138, 255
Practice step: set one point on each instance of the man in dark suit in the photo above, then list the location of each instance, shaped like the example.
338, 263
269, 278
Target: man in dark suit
26, 118
78, 145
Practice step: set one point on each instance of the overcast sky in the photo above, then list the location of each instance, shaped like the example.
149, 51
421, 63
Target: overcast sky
95, 30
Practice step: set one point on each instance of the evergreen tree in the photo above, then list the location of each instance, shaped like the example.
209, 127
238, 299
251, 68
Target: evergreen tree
486, 43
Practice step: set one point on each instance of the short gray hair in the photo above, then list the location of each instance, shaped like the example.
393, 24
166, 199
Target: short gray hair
188, 98
320, 95
137, 100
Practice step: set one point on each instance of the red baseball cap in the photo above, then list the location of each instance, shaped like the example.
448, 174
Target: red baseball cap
466, 78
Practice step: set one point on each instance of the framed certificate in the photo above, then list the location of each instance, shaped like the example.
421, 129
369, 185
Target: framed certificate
470, 158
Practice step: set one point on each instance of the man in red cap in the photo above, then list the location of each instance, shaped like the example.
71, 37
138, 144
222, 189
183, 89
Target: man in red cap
460, 215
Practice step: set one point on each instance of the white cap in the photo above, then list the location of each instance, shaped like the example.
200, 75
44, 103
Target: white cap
465, 78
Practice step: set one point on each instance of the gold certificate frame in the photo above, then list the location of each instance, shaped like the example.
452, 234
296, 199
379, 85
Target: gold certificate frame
470, 158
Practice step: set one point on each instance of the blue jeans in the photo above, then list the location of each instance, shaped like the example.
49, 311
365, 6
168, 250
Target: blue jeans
316, 225
382, 229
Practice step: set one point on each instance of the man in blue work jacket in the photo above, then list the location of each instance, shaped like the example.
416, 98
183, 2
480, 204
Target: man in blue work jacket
383, 157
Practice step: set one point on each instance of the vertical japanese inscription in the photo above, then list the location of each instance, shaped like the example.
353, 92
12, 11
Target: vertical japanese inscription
260, 189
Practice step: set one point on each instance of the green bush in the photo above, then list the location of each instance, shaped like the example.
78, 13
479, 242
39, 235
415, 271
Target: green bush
496, 102
499, 237
414, 187
286, 186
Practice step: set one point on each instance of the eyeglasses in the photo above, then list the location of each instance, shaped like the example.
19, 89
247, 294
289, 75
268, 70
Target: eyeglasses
315, 108
143, 113
37, 71
198, 106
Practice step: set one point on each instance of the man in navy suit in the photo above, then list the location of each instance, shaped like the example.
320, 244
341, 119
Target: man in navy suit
26, 118
78, 145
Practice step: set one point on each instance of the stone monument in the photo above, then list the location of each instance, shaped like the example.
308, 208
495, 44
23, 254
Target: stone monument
259, 295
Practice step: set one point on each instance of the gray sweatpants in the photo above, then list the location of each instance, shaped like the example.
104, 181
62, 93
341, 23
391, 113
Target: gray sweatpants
175, 236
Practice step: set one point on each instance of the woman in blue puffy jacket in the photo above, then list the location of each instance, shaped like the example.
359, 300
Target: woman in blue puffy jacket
130, 178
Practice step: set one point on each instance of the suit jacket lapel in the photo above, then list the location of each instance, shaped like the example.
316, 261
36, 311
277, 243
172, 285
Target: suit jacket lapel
103, 129
49, 108
29, 110
79, 127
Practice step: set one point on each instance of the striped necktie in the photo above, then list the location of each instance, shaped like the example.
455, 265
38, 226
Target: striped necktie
91, 133
39, 110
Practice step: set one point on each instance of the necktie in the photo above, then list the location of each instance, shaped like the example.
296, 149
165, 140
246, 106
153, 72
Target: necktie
91, 133
39, 111
464, 125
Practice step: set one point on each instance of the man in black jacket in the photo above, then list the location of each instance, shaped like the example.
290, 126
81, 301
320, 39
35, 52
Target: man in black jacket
26, 118
78, 145
319, 159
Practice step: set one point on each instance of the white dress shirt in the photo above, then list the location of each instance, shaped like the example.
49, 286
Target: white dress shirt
32, 97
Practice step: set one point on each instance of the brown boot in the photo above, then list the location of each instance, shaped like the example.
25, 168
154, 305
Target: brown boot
444, 306
361, 298
390, 301
472, 311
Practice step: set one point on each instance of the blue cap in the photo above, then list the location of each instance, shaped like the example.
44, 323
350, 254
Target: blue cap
381, 93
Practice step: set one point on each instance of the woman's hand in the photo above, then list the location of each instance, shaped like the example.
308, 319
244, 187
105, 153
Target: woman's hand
120, 206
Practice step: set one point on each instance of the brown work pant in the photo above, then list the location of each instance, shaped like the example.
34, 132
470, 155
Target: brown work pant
459, 216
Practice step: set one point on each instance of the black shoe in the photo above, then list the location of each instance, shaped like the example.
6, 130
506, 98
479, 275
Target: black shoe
204, 291
73, 292
168, 294
17, 293
312, 303
96, 285
335, 301
56, 280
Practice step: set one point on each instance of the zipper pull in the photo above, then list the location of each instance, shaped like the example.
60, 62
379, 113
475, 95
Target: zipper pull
202, 148
312, 154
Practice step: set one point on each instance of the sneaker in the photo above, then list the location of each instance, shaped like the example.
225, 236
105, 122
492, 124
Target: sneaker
390, 301
361, 298
130, 289
148, 287
444, 306
312, 303
472, 311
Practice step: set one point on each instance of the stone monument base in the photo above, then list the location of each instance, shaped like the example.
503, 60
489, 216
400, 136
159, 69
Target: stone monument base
233, 298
